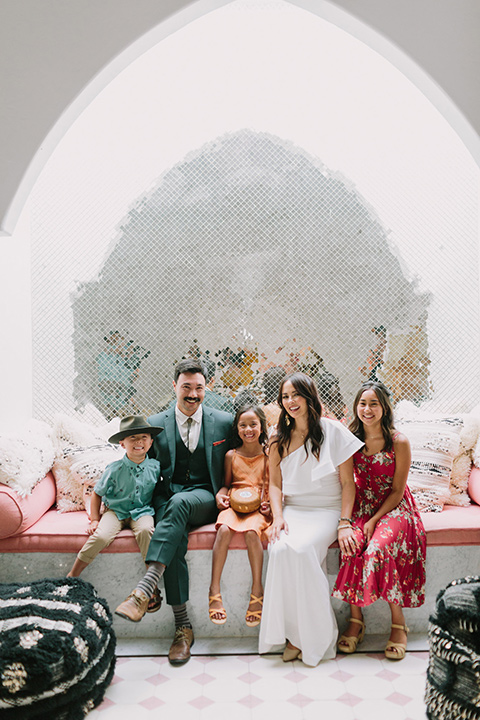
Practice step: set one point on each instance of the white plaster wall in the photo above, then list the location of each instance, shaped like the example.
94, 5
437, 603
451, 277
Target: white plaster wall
55, 56
15, 326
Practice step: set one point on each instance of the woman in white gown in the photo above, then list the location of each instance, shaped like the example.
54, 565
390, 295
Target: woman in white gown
311, 466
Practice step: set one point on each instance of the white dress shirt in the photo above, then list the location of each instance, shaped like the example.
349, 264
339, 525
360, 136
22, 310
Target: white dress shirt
195, 427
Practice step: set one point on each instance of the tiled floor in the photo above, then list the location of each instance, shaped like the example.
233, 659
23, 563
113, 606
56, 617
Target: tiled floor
250, 687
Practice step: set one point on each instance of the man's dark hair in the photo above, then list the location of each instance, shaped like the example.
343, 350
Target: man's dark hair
189, 365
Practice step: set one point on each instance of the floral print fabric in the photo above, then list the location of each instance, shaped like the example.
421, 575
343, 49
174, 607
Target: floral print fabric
392, 565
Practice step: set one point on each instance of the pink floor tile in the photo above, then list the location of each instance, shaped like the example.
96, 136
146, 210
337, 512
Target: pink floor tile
300, 700
157, 679
349, 699
387, 675
152, 703
250, 701
295, 676
249, 677
341, 675
205, 659
398, 699
203, 679
201, 703
246, 670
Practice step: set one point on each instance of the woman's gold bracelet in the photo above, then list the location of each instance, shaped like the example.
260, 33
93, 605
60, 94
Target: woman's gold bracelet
344, 527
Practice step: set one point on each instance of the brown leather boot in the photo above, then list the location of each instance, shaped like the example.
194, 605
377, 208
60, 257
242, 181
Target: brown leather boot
134, 607
179, 652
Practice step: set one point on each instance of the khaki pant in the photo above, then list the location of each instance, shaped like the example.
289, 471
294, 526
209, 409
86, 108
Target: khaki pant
108, 529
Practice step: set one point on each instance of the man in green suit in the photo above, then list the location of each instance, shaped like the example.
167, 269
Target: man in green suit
191, 453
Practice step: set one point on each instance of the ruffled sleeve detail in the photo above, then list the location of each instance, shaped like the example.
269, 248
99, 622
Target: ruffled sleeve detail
342, 443
305, 474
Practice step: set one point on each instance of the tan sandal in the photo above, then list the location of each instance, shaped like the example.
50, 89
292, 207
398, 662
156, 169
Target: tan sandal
350, 642
396, 651
217, 611
257, 614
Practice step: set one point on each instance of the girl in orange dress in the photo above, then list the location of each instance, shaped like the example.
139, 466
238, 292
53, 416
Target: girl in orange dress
245, 466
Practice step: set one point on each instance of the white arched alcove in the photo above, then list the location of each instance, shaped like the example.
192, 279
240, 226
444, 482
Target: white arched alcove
393, 51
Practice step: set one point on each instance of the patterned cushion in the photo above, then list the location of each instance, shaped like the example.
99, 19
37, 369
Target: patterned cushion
77, 471
435, 442
82, 454
26, 457
454, 662
57, 649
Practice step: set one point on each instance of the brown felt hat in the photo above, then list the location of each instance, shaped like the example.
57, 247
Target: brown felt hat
134, 425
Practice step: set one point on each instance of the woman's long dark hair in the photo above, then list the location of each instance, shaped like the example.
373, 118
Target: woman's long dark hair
387, 425
236, 441
305, 387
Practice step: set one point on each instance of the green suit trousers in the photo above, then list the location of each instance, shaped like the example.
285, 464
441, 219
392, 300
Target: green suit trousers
174, 518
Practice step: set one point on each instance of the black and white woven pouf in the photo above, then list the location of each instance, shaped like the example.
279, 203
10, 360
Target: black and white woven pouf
57, 649
453, 675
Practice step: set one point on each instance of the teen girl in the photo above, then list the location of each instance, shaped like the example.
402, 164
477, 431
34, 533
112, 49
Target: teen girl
389, 560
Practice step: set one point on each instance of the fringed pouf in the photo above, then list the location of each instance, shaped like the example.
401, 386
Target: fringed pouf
57, 649
453, 675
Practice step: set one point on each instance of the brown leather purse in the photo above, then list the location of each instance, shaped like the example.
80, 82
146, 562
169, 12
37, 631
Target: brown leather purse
248, 499
245, 500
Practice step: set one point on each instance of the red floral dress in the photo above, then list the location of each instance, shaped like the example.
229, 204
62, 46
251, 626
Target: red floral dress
392, 565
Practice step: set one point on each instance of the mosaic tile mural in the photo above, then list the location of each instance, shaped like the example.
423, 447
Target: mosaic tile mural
250, 254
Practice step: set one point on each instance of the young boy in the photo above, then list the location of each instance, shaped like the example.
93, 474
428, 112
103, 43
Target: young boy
126, 488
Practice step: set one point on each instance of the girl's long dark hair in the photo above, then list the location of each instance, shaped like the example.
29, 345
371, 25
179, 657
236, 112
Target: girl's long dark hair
236, 441
387, 424
305, 387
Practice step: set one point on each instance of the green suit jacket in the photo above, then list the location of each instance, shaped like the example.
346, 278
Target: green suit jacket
217, 428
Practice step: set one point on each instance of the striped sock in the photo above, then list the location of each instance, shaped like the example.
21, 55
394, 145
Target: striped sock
150, 580
181, 616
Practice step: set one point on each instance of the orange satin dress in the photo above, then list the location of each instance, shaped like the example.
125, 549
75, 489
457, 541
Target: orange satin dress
247, 472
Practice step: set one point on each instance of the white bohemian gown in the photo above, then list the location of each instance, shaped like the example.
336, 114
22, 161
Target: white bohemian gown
297, 603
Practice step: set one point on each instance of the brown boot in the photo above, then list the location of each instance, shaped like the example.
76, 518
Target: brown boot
134, 607
179, 652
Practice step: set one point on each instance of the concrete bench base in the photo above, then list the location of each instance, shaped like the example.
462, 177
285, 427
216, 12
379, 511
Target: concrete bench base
115, 574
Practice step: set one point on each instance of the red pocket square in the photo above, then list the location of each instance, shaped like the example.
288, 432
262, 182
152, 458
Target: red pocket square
219, 442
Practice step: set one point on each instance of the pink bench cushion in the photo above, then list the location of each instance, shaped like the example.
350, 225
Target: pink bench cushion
19, 513
453, 526
66, 533
26, 527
